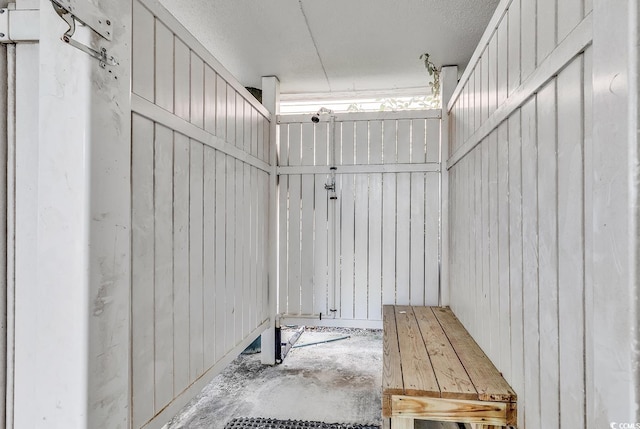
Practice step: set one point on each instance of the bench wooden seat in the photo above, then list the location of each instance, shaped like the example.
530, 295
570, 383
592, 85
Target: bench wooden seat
434, 370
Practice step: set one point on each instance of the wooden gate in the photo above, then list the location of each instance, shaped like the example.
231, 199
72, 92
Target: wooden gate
378, 241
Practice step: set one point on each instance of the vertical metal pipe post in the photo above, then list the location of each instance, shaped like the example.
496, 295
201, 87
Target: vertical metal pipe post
333, 199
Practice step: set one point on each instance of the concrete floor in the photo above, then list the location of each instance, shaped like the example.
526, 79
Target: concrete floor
336, 382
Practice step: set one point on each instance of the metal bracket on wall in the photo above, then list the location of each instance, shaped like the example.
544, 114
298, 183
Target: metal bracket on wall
87, 15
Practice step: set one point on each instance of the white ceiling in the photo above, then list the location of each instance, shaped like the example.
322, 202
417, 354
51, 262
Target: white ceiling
335, 45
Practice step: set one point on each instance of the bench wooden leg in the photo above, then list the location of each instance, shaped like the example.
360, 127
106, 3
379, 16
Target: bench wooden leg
402, 423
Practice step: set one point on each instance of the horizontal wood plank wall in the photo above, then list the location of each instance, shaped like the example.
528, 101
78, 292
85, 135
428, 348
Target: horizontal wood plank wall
200, 174
387, 185
519, 131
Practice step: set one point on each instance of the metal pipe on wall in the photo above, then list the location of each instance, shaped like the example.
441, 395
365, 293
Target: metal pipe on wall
333, 200
330, 187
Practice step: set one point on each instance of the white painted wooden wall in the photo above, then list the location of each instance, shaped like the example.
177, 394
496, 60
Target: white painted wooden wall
4, 144
200, 176
519, 216
68, 228
387, 218
539, 246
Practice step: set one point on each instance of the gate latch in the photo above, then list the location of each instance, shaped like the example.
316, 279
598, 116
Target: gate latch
330, 187
101, 25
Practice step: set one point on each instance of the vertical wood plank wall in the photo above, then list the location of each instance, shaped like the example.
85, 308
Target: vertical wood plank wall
200, 174
520, 131
387, 220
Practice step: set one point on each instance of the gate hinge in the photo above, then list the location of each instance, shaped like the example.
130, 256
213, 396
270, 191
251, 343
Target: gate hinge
83, 12
19, 25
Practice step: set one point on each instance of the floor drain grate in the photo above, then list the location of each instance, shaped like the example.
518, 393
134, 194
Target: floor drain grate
259, 423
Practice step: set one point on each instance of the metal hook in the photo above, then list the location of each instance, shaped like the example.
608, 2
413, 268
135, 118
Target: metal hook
66, 16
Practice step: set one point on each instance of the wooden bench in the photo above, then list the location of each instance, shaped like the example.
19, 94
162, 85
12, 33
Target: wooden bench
434, 370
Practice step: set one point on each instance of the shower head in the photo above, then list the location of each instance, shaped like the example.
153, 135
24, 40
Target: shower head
323, 111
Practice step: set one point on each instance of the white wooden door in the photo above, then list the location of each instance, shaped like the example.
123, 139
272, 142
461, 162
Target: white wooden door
384, 222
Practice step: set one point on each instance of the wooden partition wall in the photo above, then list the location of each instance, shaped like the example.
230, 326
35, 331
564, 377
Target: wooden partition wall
200, 199
519, 215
